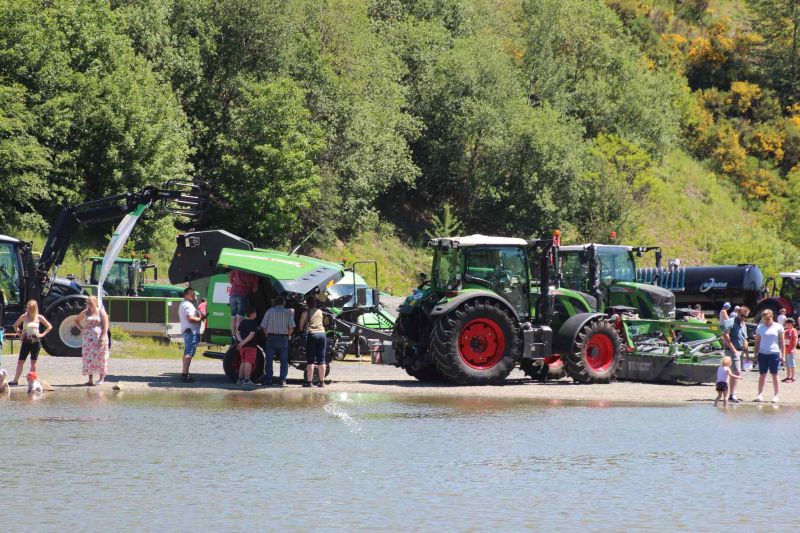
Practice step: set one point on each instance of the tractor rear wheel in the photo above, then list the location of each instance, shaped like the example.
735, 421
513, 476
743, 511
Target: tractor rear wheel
771, 305
429, 374
596, 354
66, 338
232, 361
477, 343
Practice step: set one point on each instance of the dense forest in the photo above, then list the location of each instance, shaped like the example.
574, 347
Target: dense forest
669, 122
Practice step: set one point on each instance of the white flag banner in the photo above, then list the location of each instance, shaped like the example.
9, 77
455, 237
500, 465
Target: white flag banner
118, 240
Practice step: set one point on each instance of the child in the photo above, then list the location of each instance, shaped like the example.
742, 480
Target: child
790, 341
723, 375
34, 387
4, 389
248, 346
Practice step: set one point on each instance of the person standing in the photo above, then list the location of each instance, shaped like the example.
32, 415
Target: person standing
29, 325
734, 340
243, 284
698, 312
735, 312
790, 339
277, 324
724, 375
723, 313
190, 326
248, 346
781, 317
311, 322
93, 323
770, 346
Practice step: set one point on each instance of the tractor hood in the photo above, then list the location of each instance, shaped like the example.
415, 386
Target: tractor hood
288, 272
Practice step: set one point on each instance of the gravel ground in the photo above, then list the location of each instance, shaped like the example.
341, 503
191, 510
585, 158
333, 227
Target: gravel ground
140, 375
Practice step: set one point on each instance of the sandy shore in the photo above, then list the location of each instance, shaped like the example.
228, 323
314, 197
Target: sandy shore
141, 375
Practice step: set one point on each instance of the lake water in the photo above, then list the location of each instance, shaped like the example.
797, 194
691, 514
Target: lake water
311, 461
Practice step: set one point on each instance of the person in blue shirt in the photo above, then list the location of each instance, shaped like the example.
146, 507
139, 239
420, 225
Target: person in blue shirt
734, 340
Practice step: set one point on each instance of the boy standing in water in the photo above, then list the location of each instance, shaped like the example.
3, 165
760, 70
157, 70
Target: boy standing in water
724, 374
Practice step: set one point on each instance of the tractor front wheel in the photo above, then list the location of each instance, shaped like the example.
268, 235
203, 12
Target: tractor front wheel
477, 343
66, 338
596, 355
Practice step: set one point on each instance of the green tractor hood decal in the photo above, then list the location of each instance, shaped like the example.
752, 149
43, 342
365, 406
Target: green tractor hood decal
289, 273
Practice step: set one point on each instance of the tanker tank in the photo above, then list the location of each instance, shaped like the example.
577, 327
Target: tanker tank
709, 286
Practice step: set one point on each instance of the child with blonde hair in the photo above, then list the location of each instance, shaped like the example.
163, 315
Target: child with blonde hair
724, 374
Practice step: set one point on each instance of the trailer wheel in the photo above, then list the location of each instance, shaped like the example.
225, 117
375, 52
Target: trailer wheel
596, 355
478, 343
231, 363
66, 339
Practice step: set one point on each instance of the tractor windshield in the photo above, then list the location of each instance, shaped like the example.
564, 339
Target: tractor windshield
446, 269
346, 289
616, 264
9, 274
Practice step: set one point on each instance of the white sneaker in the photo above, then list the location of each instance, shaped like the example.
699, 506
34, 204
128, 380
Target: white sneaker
249, 383
758, 399
775, 399
240, 382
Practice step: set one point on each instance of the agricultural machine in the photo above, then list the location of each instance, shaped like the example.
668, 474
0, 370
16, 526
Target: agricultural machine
128, 277
204, 257
787, 296
489, 306
22, 277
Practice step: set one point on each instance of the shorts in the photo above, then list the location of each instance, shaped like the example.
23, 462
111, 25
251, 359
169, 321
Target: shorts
722, 386
190, 340
768, 361
239, 305
790, 360
248, 355
736, 361
315, 348
31, 348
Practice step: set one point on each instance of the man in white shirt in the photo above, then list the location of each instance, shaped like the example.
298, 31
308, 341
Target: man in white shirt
190, 326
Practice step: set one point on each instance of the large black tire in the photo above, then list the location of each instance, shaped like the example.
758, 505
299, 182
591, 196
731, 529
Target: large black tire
771, 305
477, 343
536, 370
65, 340
232, 361
596, 353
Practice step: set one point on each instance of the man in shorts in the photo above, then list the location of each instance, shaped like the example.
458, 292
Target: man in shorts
190, 327
734, 340
243, 285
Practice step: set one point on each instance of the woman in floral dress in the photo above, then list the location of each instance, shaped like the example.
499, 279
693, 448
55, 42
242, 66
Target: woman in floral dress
93, 322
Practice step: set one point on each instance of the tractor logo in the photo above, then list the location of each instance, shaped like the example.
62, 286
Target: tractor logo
711, 284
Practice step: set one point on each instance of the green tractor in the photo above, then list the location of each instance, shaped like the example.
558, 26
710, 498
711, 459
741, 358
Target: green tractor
128, 277
488, 307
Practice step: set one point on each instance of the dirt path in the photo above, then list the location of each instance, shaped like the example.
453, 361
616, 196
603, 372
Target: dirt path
139, 375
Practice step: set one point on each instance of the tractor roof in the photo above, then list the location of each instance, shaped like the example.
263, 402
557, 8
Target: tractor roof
477, 240
579, 247
795, 274
118, 260
289, 272
6, 238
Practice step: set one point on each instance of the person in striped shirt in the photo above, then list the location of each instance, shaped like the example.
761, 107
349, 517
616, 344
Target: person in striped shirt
277, 324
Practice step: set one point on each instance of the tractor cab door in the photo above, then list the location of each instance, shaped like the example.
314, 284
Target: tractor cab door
11, 286
790, 289
505, 269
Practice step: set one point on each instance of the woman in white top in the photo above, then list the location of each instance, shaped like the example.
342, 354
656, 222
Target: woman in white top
770, 349
29, 326
723, 313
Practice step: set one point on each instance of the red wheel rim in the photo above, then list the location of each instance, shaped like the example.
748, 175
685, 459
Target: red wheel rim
599, 352
481, 343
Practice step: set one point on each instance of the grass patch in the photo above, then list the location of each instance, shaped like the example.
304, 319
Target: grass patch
398, 262
145, 348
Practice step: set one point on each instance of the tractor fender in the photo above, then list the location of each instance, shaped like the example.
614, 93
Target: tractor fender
441, 309
58, 302
565, 337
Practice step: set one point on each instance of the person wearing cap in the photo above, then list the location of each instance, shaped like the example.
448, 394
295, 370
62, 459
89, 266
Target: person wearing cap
34, 387
723, 313
734, 342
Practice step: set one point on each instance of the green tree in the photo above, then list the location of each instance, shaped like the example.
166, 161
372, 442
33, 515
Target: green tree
271, 180
24, 163
778, 22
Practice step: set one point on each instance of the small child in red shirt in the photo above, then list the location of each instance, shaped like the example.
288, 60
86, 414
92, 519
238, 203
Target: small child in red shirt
790, 341
248, 346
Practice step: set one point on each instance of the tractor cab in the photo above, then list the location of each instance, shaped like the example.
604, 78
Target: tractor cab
128, 277
16, 276
608, 274
787, 296
474, 263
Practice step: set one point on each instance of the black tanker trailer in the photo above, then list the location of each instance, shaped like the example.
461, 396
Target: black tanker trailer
709, 286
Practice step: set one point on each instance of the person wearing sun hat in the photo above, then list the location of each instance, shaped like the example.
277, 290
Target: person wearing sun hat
723, 313
34, 387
